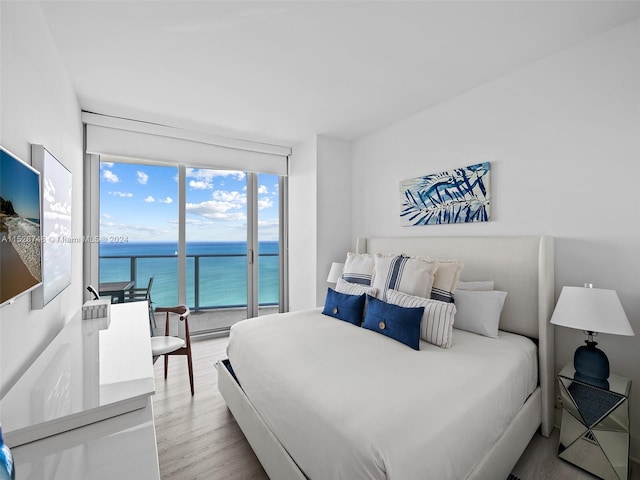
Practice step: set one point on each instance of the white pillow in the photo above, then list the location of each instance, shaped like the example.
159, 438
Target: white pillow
406, 274
483, 285
436, 326
358, 268
354, 289
479, 311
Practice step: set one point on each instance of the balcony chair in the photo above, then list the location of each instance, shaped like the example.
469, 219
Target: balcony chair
140, 294
174, 345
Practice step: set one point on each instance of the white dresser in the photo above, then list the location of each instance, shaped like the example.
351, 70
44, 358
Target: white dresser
83, 410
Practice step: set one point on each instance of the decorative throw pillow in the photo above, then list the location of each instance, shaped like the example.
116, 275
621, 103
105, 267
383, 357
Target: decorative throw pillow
481, 285
479, 311
354, 289
406, 274
401, 324
446, 279
358, 268
436, 326
344, 307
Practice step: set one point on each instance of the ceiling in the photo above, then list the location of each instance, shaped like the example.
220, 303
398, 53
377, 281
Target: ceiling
280, 72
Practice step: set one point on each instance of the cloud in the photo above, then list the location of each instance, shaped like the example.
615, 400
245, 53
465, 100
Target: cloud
216, 210
106, 215
262, 190
264, 202
143, 178
200, 184
197, 223
106, 164
149, 199
166, 200
237, 198
202, 179
132, 232
272, 222
121, 194
227, 173
109, 176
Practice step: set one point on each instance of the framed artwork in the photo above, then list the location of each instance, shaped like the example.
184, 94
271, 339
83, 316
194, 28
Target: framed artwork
20, 252
457, 196
56, 226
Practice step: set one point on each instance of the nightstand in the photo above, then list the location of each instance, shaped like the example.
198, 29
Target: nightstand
594, 434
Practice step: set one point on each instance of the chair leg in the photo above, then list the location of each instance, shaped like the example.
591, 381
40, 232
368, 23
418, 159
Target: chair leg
190, 371
166, 366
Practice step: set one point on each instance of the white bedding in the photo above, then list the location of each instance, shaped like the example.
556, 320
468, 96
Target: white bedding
349, 403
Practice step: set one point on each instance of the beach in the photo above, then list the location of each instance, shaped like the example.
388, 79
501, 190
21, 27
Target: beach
24, 236
15, 277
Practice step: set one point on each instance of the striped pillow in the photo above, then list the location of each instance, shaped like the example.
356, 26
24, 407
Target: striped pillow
358, 268
446, 278
354, 289
406, 274
436, 326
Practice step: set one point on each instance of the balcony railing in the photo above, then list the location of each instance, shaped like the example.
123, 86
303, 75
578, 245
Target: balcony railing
214, 281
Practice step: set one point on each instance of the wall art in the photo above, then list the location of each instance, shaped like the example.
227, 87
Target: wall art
457, 196
20, 253
56, 226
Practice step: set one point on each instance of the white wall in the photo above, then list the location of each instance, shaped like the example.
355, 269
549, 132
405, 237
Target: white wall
334, 208
303, 166
38, 105
319, 216
563, 136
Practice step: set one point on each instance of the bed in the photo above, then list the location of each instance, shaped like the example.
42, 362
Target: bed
330, 400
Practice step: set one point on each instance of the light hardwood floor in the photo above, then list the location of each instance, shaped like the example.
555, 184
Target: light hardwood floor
199, 439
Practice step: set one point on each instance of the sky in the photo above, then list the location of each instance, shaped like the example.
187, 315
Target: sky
21, 185
140, 203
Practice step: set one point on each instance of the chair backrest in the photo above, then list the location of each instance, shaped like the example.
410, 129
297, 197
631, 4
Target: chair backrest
179, 313
148, 294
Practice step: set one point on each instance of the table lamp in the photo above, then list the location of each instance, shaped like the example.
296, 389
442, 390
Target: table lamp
593, 310
335, 272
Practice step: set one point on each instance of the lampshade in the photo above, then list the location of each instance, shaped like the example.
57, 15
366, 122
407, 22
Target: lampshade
335, 273
591, 310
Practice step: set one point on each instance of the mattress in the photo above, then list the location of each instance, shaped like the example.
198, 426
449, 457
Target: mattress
349, 403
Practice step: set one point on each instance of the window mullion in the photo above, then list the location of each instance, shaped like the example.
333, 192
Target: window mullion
182, 244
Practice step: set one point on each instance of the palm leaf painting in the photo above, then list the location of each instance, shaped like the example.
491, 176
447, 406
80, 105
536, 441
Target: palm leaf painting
457, 196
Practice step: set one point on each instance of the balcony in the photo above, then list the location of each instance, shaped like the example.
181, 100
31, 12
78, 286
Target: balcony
216, 284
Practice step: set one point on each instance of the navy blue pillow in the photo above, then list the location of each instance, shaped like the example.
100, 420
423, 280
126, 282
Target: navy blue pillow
344, 307
400, 323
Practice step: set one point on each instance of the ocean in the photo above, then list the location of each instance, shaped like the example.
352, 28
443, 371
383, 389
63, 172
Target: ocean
222, 271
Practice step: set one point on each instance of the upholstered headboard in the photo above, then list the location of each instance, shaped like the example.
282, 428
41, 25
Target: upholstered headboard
522, 266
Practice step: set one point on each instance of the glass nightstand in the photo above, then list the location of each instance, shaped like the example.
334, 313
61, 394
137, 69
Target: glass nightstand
595, 425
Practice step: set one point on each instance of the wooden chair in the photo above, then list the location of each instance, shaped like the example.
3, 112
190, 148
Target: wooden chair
171, 344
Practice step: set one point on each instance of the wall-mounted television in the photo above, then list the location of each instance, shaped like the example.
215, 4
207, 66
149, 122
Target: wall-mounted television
20, 233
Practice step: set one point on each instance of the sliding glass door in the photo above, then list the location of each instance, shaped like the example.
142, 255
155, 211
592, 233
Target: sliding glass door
268, 243
138, 232
221, 228
216, 247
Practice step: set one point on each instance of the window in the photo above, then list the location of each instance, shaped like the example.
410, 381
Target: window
231, 245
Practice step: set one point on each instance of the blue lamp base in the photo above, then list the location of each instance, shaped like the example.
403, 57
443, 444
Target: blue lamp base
591, 365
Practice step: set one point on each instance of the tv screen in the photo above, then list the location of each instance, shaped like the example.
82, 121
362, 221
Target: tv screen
20, 246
